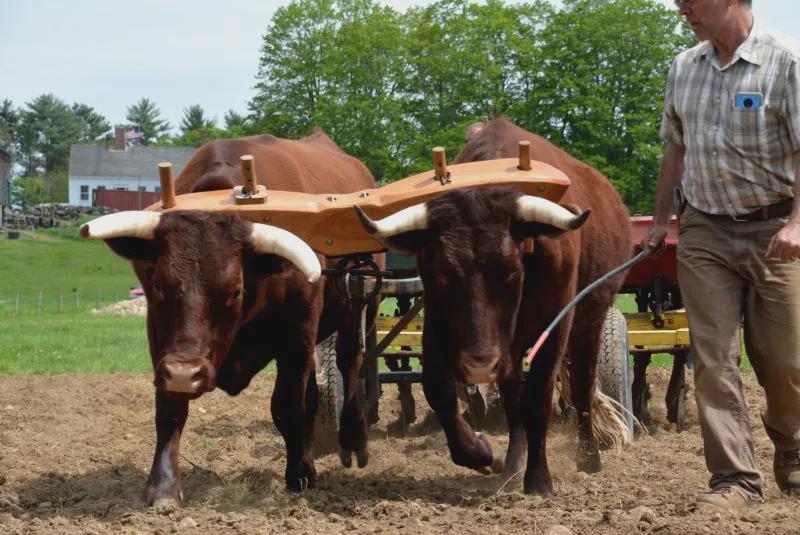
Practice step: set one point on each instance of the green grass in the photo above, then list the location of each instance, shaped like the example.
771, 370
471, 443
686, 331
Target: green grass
72, 342
66, 271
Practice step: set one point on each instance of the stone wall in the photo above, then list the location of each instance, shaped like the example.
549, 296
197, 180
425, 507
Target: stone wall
50, 215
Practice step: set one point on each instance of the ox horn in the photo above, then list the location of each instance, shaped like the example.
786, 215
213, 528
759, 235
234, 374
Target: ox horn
122, 225
540, 210
408, 219
274, 240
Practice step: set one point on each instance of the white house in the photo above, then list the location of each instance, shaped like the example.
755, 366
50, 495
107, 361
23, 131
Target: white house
120, 167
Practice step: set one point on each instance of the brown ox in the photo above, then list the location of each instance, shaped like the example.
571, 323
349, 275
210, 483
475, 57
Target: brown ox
221, 305
487, 299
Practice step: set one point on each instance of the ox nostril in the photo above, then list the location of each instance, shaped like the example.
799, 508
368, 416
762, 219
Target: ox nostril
183, 377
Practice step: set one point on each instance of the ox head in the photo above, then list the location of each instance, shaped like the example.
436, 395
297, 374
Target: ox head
200, 272
468, 247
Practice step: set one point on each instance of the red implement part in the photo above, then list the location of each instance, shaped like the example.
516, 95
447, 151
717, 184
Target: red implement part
665, 265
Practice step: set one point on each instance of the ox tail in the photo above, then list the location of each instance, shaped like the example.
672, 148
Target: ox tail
609, 425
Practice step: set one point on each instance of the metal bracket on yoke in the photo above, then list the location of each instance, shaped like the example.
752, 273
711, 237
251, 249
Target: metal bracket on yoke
357, 278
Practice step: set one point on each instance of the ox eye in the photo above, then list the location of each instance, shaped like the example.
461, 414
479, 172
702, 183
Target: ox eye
236, 293
514, 274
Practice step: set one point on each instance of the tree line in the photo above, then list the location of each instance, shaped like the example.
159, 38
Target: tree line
388, 86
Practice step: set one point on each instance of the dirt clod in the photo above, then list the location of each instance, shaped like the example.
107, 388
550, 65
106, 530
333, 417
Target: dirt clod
644, 514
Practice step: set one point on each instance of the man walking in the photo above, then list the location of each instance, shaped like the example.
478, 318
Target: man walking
731, 122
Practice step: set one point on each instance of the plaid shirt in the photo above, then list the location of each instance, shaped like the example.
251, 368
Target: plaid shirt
737, 158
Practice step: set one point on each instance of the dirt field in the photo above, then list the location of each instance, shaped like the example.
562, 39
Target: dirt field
75, 451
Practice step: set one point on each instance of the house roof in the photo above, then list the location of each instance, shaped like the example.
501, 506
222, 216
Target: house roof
137, 161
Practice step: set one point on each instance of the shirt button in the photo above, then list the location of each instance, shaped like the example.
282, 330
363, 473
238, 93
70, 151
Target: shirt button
713, 153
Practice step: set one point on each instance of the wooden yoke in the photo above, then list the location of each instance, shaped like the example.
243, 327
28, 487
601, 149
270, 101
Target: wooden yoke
251, 192
167, 185
328, 223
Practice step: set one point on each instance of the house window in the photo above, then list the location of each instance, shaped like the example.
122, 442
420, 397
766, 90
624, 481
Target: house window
121, 189
157, 189
84, 193
101, 187
142, 188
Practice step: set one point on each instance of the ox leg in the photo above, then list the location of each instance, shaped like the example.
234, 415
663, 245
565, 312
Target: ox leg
164, 484
536, 408
353, 423
467, 448
294, 406
584, 349
511, 389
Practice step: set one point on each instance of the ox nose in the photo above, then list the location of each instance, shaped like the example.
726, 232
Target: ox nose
184, 377
478, 369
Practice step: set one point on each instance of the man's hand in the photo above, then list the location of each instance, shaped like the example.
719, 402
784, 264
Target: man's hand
785, 245
655, 240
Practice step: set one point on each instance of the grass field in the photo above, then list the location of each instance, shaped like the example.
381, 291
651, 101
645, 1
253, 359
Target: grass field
55, 269
72, 342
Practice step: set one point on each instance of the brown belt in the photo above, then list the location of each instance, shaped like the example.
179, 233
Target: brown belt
780, 209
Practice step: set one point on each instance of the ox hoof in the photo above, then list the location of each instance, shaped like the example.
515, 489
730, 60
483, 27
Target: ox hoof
589, 463
498, 465
165, 506
346, 458
302, 484
362, 457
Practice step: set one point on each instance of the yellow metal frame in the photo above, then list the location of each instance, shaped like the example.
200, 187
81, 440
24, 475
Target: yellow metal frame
641, 331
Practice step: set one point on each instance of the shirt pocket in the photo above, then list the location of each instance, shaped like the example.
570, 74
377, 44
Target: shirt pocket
752, 130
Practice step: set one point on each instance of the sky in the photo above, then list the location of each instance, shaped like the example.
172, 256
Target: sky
110, 54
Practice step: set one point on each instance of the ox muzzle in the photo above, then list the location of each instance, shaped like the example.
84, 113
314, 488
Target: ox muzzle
478, 369
185, 378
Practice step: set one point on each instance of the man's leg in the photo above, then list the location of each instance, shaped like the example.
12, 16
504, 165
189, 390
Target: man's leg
713, 292
772, 335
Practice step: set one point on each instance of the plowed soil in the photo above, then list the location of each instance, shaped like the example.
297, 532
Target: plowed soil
75, 452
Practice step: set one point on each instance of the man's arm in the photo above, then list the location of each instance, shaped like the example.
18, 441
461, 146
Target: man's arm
669, 177
785, 245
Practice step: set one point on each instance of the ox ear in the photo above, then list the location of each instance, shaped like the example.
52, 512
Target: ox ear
407, 243
257, 265
134, 248
129, 234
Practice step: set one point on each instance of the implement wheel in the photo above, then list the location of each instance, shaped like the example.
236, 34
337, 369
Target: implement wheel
331, 397
613, 364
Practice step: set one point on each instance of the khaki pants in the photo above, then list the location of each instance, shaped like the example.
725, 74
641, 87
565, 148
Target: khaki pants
724, 279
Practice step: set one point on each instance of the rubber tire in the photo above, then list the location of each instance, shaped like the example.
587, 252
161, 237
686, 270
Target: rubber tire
331, 396
613, 363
